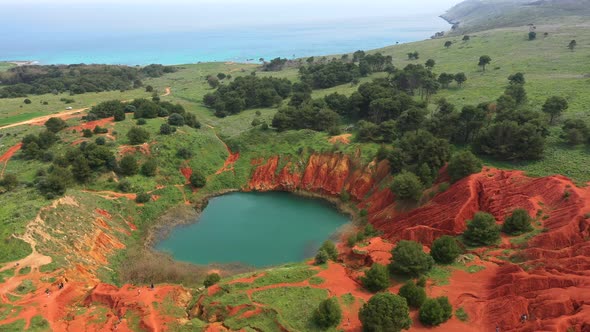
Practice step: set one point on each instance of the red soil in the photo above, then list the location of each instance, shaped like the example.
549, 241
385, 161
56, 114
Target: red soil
344, 139
186, 172
553, 289
132, 149
7, 155
91, 124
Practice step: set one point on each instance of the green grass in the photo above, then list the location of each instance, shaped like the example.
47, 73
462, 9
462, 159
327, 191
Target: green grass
295, 305
25, 287
4, 66
6, 274
286, 274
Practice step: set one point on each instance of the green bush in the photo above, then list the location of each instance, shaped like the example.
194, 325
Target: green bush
142, 197
482, 230
55, 125
407, 186
321, 257
376, 278
211, 279
197, 179
128, 165
414, 294
409, 259
328, 314
385, 312
445, 250
330, 248
137, 135
463, 164
435, 311
149, 168
517, 223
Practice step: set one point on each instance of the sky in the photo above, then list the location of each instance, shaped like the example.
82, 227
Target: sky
178, 15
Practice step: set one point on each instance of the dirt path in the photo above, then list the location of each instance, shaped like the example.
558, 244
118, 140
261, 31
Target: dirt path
62, 114
228, 165
7, 155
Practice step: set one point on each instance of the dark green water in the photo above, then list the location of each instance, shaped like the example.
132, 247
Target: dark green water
258, 229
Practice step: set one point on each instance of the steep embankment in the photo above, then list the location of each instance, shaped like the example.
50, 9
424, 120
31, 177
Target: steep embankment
552, 282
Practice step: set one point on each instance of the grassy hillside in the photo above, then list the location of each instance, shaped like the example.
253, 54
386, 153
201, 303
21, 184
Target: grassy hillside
5, 66
479, 15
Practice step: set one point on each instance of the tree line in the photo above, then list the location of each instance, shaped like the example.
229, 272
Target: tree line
75, 79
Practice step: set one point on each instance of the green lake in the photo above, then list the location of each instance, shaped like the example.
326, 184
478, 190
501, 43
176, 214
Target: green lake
256, 229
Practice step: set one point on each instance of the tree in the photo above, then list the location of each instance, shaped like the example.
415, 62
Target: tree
481, 230
149, 168
81, 169
221, 76
554, 106
460, 78
445, 250
517, 78
409, 259
463, 164
466, 38
532, 35
376, 278
128, 165
137, 135
27, 101
321, 257
149, 88
197, 179
572, 45
328, 314
445, 79
55, 125
385, 312
517, 223
448, 44
211, 279
414, 295
575, 131
87, 133
176, 120
407, 186
430, 63
435, 311
213, 81
484, 60
119, 115
9, 181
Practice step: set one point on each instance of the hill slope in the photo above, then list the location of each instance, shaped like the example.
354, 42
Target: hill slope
478, 15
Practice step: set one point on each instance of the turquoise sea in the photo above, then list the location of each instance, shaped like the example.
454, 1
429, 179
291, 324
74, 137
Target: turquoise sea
53, 39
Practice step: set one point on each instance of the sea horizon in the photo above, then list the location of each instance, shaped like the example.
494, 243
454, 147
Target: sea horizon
240, 44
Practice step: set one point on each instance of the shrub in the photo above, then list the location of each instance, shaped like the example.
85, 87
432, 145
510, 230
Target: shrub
421, 282
321, 257
176, 120
55, 125
27, 101
100, 141
128, 165
87, 133
445, 250
142, 197
409, 259
137, 135
125, 186
184, 153
119, 115
9, 181
330, 248
517, 223
461, 315
407, 186
376, 278
197, 179
414, 294
149, 168
482, 230
211, 279
328, 314
463, 164
166, 129
141, 122
435, 311
385, 312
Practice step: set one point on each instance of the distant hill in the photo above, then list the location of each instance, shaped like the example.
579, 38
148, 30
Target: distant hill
479, 15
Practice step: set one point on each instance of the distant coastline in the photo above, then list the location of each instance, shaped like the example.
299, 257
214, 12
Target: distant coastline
236, 44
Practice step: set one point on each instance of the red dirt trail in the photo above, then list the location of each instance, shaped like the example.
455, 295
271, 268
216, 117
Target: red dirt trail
7, 155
